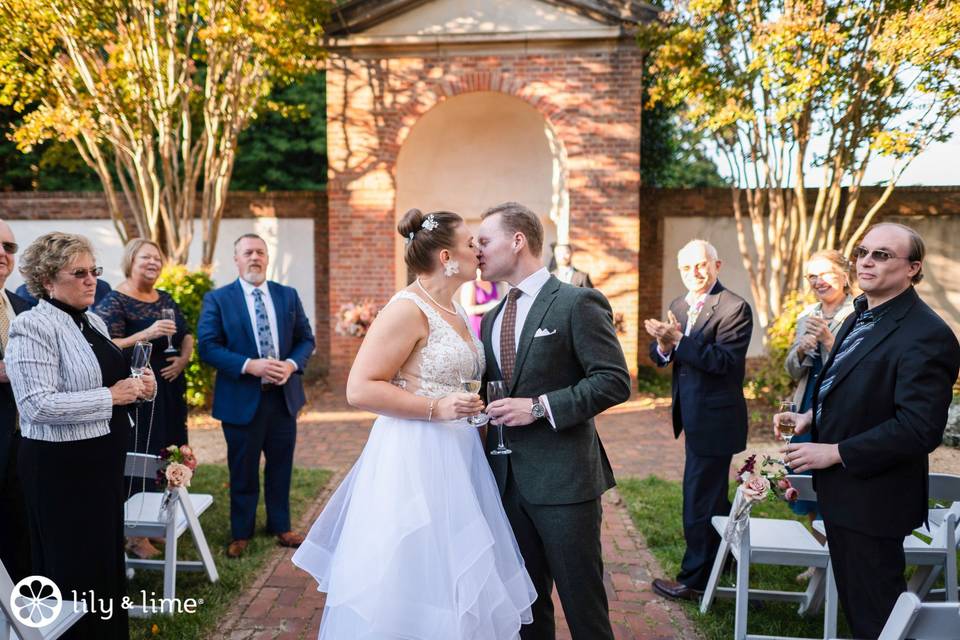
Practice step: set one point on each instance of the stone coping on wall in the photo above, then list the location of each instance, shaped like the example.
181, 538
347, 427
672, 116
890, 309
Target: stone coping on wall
67, 205
717, 202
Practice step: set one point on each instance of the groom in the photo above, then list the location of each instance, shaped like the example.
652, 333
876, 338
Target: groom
555, 347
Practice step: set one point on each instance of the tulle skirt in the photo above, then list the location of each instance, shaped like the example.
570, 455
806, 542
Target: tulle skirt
415, 544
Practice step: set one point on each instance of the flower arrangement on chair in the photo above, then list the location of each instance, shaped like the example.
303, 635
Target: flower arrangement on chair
758, 482
355, 319
177, 465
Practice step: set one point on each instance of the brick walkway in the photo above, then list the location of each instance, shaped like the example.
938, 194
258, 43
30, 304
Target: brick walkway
284, 603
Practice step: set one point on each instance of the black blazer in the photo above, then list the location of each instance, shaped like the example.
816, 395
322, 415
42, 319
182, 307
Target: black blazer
887, 409
8, 406
708, 371
578, 363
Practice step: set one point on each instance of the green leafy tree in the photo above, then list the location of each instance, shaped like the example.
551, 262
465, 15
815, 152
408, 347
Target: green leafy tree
154, 95
671, 155
285, 148
785, 85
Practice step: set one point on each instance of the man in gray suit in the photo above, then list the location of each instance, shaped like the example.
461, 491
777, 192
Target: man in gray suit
565, 271
555, 347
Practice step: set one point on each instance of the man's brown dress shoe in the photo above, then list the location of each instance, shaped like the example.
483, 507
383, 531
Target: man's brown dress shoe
289, 539
236, 548
675, 590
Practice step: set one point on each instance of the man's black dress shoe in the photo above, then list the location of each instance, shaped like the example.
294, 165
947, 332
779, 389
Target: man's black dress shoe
675, 590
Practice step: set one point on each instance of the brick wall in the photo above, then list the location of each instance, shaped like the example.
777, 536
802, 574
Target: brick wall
591, 99
354, 256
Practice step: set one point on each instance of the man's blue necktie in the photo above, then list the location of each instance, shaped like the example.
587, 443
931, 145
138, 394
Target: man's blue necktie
264, 336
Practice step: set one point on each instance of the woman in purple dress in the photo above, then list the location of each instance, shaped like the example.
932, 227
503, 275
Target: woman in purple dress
477, 298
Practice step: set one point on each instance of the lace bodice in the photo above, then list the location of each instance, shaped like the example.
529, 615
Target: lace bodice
434, 369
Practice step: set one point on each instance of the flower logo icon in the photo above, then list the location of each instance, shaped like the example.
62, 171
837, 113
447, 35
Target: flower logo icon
36, 601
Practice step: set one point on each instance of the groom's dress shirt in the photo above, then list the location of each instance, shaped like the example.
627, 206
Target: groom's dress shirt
530, 287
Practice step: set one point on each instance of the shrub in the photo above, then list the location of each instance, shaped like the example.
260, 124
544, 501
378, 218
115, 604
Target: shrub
187, 289
771, 381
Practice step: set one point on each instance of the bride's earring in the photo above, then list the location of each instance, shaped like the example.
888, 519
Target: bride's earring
451, 268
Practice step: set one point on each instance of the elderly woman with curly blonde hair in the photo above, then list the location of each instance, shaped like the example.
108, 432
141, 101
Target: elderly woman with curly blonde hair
74, 392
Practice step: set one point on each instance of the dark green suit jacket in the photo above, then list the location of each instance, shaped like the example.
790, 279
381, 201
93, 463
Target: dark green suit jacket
581, 368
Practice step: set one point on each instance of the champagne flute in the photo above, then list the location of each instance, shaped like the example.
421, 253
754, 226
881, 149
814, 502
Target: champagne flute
140, 359
469, 370
168, 314
497, 390
788, 422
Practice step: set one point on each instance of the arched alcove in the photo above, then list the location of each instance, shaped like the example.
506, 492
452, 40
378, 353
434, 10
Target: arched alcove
475, 150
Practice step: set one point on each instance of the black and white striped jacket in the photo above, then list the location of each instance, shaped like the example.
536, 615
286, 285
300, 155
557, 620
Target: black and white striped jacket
56, 377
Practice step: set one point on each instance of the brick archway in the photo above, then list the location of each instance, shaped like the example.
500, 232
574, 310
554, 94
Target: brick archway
591, 102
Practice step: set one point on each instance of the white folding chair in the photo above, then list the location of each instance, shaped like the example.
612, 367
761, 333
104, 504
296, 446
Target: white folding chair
776, 542
918, 620
141, 515
939, 555
11, 627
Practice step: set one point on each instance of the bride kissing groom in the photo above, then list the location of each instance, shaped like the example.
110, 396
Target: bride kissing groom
429, 537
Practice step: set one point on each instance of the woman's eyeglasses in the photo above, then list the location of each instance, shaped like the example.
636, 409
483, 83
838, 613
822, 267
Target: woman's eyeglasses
80, 274
878, 255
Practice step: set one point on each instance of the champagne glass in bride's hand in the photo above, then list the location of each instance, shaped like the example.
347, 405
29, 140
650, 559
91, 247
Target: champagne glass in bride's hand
497, 390
168, 314
140, 359
468, 367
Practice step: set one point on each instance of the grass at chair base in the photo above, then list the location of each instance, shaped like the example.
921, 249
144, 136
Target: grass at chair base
235, 575
656, 508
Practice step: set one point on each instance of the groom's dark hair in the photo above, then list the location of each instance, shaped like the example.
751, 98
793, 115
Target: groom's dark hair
517, 218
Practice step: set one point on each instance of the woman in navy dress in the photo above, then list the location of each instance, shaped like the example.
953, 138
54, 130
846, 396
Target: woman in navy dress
133, 312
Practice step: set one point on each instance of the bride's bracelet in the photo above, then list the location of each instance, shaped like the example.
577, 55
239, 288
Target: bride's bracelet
430, 414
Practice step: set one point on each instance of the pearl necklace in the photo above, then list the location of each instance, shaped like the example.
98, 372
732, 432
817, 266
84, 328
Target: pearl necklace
427, 293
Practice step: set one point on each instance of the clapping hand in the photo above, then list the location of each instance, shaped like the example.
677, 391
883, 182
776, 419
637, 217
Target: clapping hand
667, 334
820, 330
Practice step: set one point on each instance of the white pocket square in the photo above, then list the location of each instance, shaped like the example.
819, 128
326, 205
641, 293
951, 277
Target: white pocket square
544, 332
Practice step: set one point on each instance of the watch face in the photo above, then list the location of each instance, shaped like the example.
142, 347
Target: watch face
538, 410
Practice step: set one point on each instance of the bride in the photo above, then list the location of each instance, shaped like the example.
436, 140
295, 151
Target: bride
415, 544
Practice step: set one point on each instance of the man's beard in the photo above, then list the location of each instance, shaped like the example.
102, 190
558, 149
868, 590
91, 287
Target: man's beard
254, 278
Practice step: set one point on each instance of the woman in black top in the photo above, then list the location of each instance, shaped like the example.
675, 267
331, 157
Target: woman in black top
74, 393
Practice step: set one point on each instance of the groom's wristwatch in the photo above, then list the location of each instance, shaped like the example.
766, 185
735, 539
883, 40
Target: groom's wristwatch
537, 409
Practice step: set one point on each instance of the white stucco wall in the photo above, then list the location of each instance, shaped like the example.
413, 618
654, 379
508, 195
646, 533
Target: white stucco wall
477, 150
940, 287
290, 241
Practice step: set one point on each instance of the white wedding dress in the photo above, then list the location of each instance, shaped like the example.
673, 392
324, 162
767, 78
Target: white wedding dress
415, 544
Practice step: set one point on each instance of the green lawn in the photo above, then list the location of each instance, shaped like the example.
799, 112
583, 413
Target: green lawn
655, 506
235, 575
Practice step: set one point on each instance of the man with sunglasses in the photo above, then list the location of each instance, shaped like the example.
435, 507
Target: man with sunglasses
14, 538
880, 407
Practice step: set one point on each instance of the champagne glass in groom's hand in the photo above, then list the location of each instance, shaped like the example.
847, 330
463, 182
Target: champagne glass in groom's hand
497, 390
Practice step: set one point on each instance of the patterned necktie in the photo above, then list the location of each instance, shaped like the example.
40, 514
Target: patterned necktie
865, 322
264, 336
4, 324
508, 332
692, 316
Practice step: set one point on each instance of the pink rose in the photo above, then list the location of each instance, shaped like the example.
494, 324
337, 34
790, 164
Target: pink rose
178, 475
190, 461
186, 450
756, 488
791, 494
783, 484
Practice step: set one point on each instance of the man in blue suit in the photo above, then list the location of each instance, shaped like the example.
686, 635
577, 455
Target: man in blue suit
257, 337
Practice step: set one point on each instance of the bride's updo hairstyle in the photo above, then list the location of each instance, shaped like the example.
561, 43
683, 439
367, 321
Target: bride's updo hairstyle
425, 234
